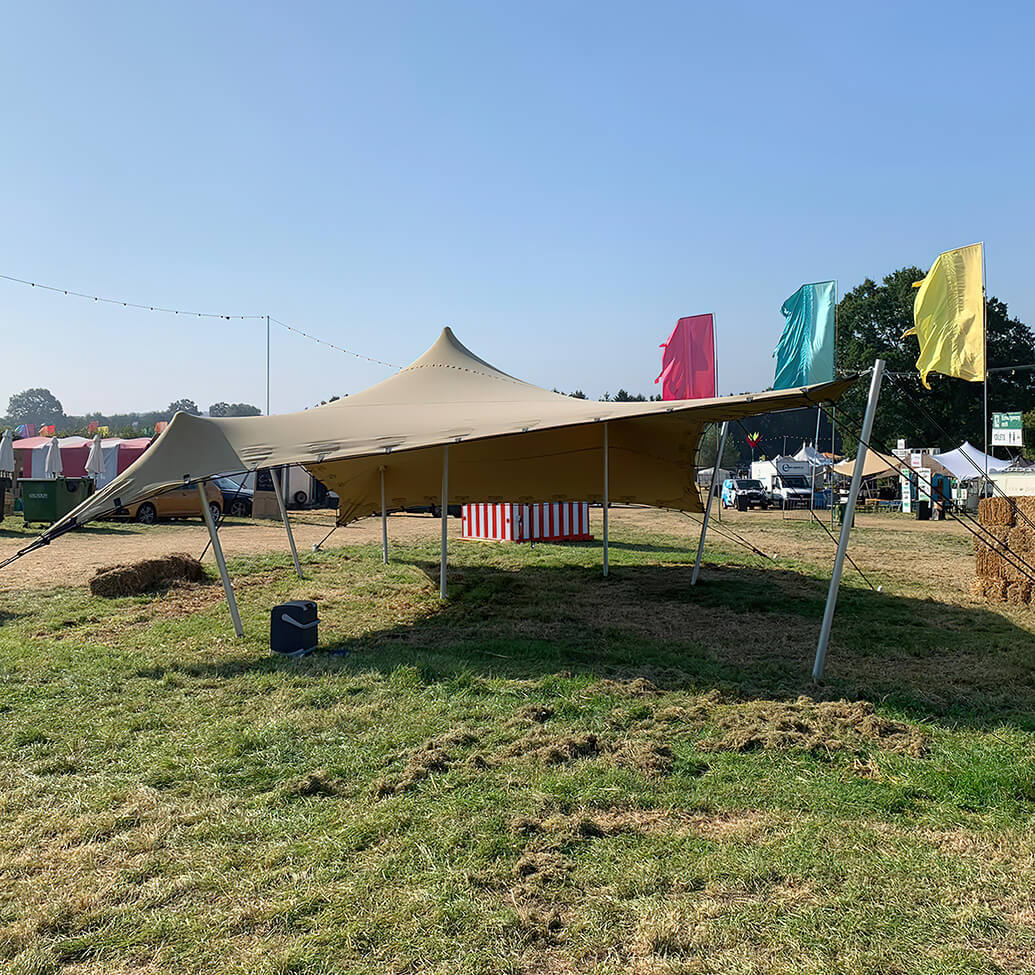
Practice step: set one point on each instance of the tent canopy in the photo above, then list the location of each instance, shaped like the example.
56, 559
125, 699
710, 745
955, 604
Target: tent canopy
968, 461
813, 456
507, 440
883, 465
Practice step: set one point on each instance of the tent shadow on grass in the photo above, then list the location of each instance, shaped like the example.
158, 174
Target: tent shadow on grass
749, 631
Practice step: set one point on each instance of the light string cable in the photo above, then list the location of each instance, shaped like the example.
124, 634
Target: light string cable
193, 314
982, 534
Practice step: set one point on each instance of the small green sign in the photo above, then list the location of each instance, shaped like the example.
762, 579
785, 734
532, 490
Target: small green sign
1007, 430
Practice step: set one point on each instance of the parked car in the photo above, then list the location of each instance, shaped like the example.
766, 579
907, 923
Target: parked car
237, 499
177, 503
743, 493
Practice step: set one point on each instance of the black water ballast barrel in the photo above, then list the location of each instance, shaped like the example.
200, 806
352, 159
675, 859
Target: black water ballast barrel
294, 628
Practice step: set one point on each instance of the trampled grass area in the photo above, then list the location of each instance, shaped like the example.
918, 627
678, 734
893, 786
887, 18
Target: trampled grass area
551, 772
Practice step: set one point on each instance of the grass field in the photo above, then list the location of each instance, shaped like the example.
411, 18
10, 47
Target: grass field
548, 773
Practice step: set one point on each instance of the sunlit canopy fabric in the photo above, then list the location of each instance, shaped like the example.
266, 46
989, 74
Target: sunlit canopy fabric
884, 465
507, 439
968, 461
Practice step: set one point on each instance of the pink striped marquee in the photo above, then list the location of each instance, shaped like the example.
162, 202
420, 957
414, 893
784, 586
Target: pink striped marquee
561, 521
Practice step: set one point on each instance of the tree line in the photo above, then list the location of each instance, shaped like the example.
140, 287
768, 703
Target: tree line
40, 407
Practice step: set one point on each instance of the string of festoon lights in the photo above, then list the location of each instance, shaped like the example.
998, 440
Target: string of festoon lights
196, 314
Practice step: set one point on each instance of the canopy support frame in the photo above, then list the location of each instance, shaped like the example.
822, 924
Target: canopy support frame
279, 492
606, 501
708, 507
445, 524
384, 519
217, 551
849, 517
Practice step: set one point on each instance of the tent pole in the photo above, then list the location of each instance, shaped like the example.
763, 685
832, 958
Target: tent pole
384, 520
445, 524
708, 506
846, 525
606, 493
217, 550
279, 492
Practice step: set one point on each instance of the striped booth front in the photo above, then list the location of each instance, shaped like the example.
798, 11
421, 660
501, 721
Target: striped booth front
560, 521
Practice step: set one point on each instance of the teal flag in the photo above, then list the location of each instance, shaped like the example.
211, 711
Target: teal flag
805, 354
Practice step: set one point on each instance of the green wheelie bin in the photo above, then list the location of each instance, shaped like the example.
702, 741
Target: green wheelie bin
48, 499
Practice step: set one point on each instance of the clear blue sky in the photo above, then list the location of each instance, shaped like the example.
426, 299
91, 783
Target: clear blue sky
559, 181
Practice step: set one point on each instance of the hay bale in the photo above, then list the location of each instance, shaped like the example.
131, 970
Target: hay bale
996, 511
991, 538
990, 565
150, 575
995, 590
1024, 511
1018, 593
1021, 541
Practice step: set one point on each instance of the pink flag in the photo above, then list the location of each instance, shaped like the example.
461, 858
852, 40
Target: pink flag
688, 362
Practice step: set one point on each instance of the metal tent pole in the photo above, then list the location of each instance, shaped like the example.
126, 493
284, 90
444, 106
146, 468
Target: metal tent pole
445, 525
217, 550
267, 365
708, 506
846, 525
984, 338
279, 492
384, 520
606, 494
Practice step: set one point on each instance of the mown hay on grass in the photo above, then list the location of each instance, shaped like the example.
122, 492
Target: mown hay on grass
812, 726
149, 575
996, 511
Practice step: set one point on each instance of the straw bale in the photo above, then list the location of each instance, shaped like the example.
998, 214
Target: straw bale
996, 511
1018, 593
1021, 541
1025, 511
995, 590
150, 575
990, 565
991, 538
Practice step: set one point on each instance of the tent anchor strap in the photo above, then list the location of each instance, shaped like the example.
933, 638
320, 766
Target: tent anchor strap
217, 550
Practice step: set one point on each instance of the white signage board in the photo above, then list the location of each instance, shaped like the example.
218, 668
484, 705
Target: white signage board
907, 495
923, 484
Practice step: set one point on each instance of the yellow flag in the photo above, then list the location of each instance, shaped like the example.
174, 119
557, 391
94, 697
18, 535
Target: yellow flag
948, 317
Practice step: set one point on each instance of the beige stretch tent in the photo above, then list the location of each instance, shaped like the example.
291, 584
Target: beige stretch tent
507, 440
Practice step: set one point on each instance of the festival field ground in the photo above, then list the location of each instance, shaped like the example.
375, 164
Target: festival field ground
550, 772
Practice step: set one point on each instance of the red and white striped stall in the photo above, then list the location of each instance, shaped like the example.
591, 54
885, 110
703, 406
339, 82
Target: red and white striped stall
560, 521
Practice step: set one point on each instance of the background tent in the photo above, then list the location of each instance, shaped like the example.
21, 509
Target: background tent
507, 441
117, 454
813, 456
882, 465
967, 461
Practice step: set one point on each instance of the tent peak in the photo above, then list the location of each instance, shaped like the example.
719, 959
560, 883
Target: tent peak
448, 352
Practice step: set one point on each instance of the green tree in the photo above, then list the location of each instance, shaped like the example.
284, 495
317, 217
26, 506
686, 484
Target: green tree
708, 446
37, 405
183, 406
870, 321
234, 409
